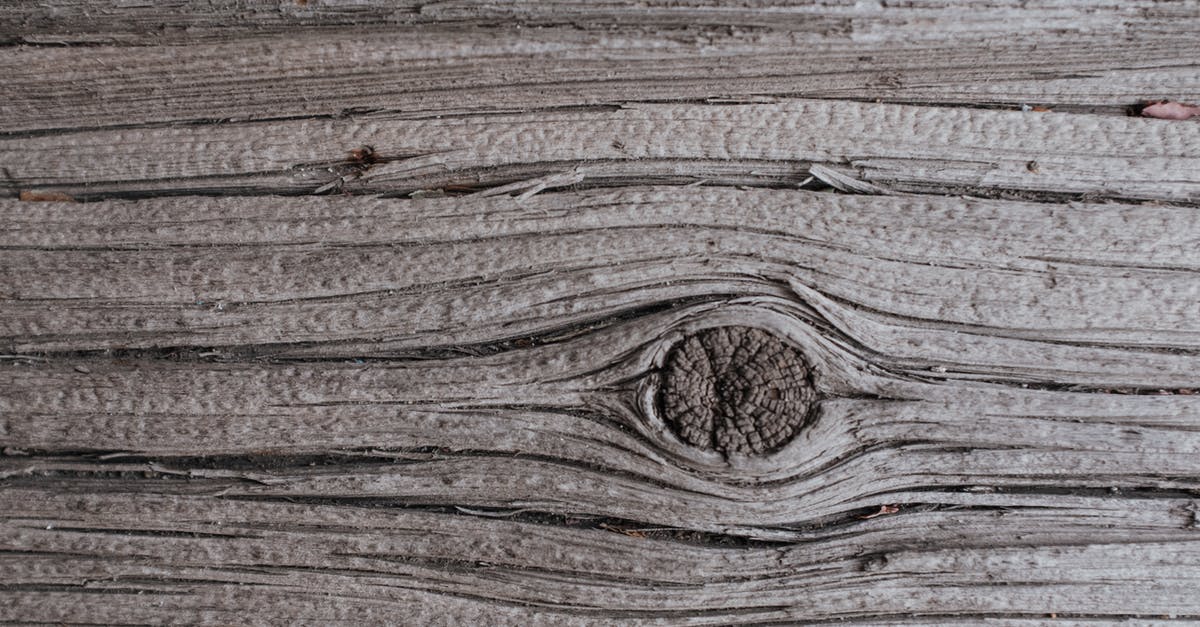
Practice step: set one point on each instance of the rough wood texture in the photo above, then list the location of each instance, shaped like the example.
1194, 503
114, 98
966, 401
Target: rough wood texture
435, 72
903, 148
737, 390
554, 313
78, 21
516, 389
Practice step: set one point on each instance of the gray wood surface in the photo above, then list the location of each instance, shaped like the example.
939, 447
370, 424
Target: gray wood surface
1063, 58
327, 313
895, 147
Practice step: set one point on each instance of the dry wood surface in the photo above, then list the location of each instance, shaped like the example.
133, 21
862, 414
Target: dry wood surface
583, 313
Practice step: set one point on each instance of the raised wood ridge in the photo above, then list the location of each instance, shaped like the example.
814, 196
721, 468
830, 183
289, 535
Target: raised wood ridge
400, 313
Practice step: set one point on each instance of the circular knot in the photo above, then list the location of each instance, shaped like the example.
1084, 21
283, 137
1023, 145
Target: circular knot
736, 390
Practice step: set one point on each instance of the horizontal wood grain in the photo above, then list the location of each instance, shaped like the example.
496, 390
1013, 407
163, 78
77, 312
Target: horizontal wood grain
306, 276
901, 148
473, 460
426, 72
76, 21
583, 443
326, 313
210, 560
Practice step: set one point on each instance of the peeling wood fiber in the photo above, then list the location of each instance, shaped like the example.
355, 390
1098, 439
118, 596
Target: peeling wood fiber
577, 313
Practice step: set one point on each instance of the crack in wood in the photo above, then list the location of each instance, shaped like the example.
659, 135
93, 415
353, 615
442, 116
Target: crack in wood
598, 401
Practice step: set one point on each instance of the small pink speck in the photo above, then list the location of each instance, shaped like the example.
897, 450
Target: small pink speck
1170, 110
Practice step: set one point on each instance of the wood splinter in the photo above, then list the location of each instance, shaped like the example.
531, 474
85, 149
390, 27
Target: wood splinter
736, 390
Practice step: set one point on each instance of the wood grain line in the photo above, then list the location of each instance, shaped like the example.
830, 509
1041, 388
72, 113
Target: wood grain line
395, 277
901, 148
427, 73
80, 23
550, 313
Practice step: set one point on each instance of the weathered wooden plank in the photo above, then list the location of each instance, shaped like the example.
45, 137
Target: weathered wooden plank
593, 443
651, 405
211, 557
979, 407
903, 148
80, 22
974, 479
432, 72
1020, 288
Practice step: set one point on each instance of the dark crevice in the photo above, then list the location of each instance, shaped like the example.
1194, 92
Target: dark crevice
916, 188
152, 533
1033, 489
391, 244
85, 588
276, 352
1122, 390
471, 567
1122, 109
145, 126
1001, 332
176, 467
459, 283
344, 114
466, 181
259, 462
1125, 109
179, 468
628, 527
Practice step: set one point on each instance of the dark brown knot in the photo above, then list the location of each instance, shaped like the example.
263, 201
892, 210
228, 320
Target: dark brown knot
736, 390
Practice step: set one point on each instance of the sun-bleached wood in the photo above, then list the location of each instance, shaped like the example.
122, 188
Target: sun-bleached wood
433, 72
1019, 287
902, 148
428, 387
57, 22
203, 559
966, 436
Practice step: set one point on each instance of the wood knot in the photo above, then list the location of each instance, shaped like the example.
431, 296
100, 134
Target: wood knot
736, 390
